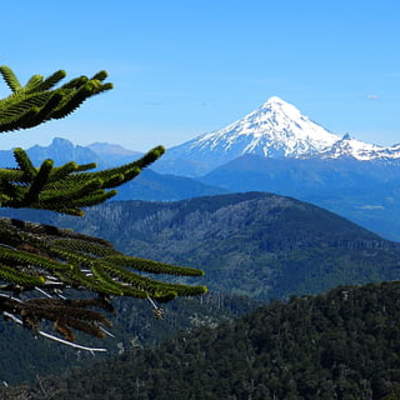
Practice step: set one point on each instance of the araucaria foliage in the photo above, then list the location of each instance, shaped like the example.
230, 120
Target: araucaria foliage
42, 265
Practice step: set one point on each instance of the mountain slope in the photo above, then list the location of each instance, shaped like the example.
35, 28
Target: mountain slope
365, 192
257, 244
151, 186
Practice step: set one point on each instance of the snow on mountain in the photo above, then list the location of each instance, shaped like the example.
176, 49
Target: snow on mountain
277, 129
350, 147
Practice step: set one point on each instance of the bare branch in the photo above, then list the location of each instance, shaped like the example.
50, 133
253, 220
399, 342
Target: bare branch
55, 338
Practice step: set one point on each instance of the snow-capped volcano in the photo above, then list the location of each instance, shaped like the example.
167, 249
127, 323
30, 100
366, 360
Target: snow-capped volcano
276, 129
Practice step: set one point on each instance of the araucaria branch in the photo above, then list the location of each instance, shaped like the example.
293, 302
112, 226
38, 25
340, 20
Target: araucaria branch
43, 267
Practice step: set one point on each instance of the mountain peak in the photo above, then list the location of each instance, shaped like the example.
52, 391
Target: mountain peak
276, 105
59, 141
275, 100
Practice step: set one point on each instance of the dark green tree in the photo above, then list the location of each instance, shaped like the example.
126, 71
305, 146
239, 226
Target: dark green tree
42, 267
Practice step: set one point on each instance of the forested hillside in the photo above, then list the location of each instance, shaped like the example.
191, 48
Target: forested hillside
257, 244
340, 345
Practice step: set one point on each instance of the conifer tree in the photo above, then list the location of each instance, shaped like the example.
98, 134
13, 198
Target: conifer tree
43, 267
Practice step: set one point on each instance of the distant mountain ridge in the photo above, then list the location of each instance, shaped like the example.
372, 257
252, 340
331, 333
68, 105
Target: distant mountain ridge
113, 153
149, 185
60, 150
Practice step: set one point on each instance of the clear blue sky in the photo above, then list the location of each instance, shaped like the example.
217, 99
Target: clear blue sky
183, 68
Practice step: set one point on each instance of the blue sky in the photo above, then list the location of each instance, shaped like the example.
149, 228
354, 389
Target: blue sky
183, 68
